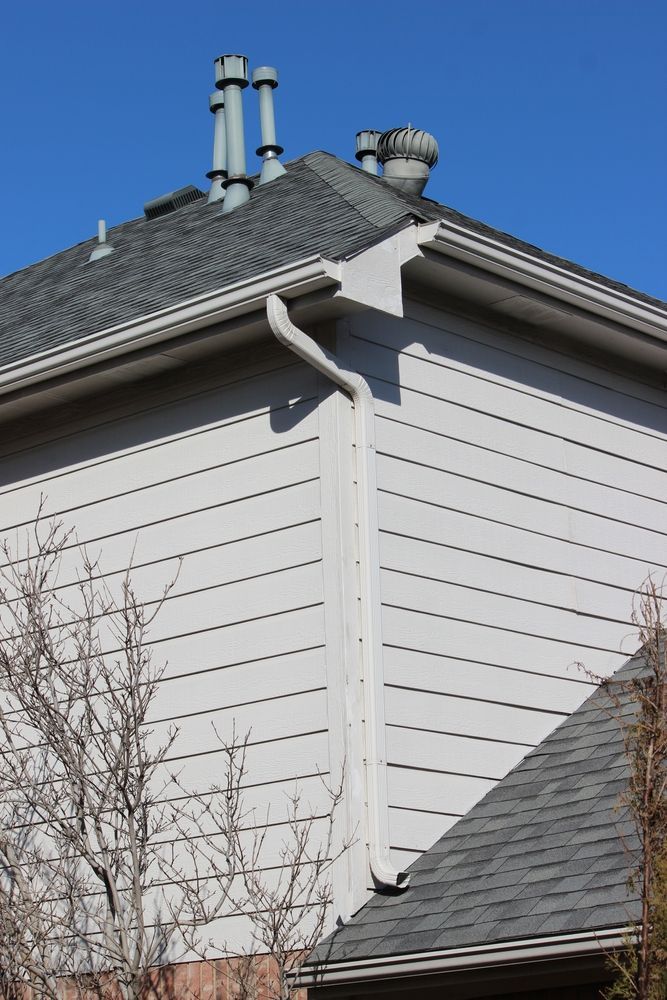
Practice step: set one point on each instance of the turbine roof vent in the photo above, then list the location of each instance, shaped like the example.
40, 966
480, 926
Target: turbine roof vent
167, 203
407, 155
409, 143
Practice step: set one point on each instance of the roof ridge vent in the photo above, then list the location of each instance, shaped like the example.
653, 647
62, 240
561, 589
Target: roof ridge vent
169, 202
407, 155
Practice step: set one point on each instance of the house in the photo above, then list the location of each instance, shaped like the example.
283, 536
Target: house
526, 896
415, 466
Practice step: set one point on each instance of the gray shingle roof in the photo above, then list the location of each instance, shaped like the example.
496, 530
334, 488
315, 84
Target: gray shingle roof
545, 852
322, 205
194, 250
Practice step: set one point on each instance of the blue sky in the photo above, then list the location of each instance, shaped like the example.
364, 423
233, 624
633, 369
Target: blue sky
550, 114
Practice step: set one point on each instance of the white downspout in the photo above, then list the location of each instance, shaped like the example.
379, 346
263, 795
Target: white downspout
369, 572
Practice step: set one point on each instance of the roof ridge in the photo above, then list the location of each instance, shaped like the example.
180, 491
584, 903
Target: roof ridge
377, 198
428, 209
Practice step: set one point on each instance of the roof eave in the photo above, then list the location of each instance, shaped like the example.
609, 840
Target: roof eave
638, 319
297, 279
497, 954
640, 325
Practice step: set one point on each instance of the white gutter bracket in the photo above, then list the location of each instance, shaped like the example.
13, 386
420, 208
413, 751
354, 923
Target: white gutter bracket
369, 571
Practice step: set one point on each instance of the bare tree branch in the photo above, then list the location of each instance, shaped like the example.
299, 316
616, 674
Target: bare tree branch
639, 705
82, 813
105, 874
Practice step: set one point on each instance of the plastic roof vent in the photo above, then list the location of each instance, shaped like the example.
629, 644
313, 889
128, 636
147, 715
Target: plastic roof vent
170, 202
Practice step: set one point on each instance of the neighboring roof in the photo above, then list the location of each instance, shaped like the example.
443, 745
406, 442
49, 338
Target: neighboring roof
544, 853
321, 206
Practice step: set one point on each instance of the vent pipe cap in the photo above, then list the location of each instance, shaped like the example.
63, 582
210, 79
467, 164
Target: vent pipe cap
216, 101
407, 155
231, 69
265, 74
366, 150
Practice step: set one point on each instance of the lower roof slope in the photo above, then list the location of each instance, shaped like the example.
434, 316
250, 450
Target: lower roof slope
545, 852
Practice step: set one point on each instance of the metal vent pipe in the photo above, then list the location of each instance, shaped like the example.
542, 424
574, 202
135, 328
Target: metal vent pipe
216, 103
103, 249
231, 77
367, 144
265, 80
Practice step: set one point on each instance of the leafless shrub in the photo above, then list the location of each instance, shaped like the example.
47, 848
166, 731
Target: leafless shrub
639, 705
105, 875
288, 905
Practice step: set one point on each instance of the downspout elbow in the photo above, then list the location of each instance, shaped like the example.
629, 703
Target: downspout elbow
353, 383
282, 327
313, 353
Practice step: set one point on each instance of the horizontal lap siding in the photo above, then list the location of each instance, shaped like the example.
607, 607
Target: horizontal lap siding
228, 478
522, 501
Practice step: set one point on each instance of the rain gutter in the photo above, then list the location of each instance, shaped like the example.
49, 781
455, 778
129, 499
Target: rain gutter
547, 277
163, 325
498, 954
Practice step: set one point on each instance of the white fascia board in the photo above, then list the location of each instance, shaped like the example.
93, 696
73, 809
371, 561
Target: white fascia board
550, 279
504, 953
167, 324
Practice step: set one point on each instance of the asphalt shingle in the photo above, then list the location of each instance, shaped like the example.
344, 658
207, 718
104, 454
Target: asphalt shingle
505, 872
322, 205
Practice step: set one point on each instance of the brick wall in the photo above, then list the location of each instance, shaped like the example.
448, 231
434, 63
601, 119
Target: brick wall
252, 978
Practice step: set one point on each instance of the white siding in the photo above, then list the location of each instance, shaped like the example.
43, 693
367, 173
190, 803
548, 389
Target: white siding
224, 473
522, 501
